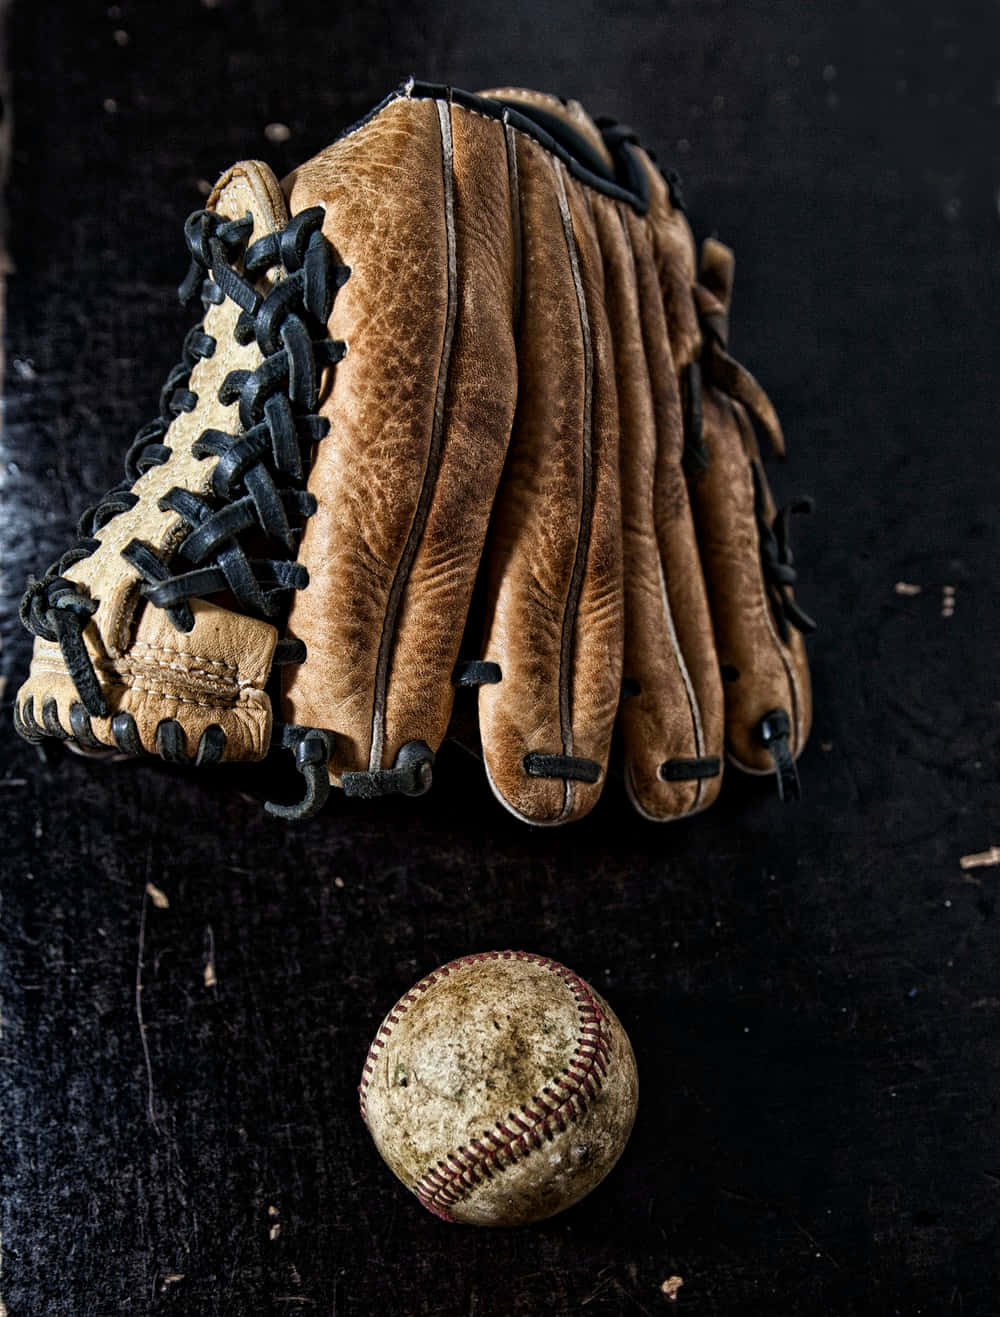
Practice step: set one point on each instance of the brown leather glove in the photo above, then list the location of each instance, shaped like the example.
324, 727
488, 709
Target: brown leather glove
466, 343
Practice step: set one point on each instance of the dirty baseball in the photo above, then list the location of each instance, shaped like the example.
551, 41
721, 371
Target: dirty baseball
500, 1089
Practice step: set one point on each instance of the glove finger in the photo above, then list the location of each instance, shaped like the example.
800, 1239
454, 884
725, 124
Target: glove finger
761, 655
672, 706
554, 617
764, 667
417, 204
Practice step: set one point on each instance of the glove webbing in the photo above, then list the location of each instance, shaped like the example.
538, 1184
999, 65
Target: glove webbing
277, 405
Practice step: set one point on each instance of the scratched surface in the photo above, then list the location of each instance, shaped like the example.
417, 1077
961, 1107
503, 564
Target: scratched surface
813, 993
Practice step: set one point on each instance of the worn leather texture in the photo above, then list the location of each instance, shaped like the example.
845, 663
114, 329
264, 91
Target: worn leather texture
534, 392
509, 435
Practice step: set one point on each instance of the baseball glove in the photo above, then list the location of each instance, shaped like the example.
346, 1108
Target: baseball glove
467, 343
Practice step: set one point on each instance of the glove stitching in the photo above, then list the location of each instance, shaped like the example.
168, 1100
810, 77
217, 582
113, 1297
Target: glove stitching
186, 653
134, 682
142, 665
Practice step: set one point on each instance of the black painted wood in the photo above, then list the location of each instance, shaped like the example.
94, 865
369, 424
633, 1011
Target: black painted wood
812, 992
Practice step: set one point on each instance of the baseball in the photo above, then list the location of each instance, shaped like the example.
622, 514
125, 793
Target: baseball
500, 1089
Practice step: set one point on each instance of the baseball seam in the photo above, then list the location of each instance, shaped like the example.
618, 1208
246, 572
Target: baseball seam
545, 1114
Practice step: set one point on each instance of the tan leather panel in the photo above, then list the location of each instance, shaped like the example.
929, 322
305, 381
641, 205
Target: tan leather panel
746, 636
215, 673
536, 526
481, 390
669, 648
383, 189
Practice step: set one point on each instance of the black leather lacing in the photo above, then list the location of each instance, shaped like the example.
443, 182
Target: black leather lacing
619, 138
773, 535
410, 775
776, 558
256, 483
694, 458
569, 768
775, 730
717, 368
257, 486
476, 672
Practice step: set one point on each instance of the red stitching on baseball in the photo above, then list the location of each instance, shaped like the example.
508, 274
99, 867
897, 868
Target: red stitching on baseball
443, 1185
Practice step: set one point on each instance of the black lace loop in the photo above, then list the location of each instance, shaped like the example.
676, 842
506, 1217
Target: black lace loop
410, 775
777, 560
256, 492
775, 730
312, 748
695, 456
572, 768
70, 613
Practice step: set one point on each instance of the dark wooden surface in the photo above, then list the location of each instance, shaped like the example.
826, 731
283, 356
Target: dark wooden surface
813, 993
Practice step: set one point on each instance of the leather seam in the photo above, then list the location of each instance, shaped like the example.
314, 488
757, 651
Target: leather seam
132, 682
517, 241
186, 653
142, 665
587, 499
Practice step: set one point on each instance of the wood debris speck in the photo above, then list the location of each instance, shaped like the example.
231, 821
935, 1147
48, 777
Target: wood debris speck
209, 975
158, 898
671, 1287
981, 859
907, 588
